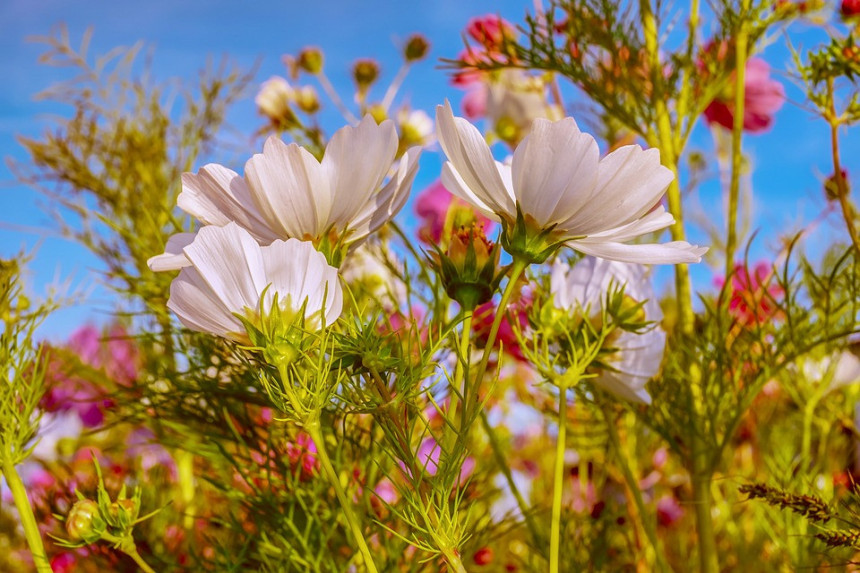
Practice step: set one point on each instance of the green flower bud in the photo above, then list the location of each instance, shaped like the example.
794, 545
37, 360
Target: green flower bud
83, 522
416, 48
365, 72
310, 60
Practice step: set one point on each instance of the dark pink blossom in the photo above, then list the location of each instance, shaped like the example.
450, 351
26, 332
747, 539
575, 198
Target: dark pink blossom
753, 293
669, 511
432, 206
484, 316
763, 97
490, 31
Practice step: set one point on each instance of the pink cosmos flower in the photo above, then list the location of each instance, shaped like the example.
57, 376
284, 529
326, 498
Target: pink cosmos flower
763, 97
753, 293
432, 206
669, 511
490, 31
484, 316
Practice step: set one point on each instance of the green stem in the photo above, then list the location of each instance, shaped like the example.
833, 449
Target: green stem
669, 156
499, 456
28, 520
647, 524
459, 383
454, 561
848, 212
558, 482
132, 552
737, 152
313, 430
703, 502
516, 270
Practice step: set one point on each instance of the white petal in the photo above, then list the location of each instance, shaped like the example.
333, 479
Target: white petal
289, 188
554, 171
216, 195
383, 206
452, 181
356, 161
471, 159
198, 308
173, 258
297, 272
230, 262
630, 182
654, 221
650, 254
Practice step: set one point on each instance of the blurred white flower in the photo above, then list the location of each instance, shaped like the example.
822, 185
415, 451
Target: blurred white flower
836, 370
558, 183
287, 193
228, 273
637, 356
369, 267
416, 127
274, 98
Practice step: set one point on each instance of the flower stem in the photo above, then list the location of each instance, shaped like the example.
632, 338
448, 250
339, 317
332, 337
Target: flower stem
461, 372
848, 212
313, 430
647, 524
132, 552
517, 269
558, 482
28, 520
737, 151
499, 456
454, 561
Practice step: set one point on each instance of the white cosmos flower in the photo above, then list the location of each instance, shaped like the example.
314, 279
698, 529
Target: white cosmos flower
228, 273
637, 356
287, 193
561, 186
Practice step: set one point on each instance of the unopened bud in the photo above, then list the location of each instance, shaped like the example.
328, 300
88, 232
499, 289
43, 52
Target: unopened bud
416, 48
365, 72
310, 60
307, 100
834, 188
82, 521
469, 267
274, 99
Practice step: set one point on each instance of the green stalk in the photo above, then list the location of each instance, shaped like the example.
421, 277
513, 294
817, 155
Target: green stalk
848, 212
647, 524
499, 456
460, 382
558, 482
737, 152
454, 561
28, 519
313, 430
517, 269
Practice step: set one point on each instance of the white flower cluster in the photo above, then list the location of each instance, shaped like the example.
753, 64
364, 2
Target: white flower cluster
261, 231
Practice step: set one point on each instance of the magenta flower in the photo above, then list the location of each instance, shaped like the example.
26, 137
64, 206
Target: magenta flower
432, 206
754, 293
490, 31
669, 511
763, 97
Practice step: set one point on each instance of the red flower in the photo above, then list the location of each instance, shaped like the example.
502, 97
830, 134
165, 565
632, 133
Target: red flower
490, 31
850, 8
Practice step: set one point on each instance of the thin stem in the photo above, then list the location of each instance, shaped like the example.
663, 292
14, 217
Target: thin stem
558, 482
313, 429
461, 372
391, 92
848, 212
132, 552
686, 84
499, 456
335, 98
516, 270
454, 561
669, 155
702, 502
647, 525
28, 520
737, 151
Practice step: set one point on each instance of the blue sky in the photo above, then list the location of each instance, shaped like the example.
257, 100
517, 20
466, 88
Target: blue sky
790, 160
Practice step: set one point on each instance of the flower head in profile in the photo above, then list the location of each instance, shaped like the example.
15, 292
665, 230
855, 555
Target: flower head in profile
634, 356
557, 191
229, 275
287, 193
